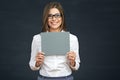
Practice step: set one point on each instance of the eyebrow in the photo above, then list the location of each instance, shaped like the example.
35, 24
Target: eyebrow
53, 14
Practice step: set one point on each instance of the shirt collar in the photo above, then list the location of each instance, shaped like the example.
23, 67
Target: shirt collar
60, 31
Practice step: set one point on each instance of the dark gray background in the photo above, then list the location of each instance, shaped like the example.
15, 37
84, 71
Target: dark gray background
95, 22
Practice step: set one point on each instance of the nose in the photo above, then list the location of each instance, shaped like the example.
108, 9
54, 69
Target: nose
53, 18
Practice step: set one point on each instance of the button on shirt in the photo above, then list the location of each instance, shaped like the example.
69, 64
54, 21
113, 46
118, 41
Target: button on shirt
55, 65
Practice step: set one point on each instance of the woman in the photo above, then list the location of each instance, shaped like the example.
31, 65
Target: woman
54, 67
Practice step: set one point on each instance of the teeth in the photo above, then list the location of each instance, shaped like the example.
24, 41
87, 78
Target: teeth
54, 23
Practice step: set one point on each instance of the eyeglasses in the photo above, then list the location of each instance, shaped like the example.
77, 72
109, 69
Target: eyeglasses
57, 15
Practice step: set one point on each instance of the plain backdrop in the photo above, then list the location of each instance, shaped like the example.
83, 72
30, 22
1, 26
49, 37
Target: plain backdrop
95, 22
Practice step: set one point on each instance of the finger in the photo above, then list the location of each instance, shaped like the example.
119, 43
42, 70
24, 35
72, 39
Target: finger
70, 55
40, 56
71, 58
39, 60
73, 54
41, 53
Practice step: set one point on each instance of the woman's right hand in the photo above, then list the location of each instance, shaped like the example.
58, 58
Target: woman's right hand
39, 59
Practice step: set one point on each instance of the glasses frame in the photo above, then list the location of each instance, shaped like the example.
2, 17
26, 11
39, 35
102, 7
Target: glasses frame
57, 16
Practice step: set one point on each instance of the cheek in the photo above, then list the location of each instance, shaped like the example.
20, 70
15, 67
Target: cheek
48, 22
60, 21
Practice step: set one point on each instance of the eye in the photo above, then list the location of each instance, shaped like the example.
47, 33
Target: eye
58, 15
50, 15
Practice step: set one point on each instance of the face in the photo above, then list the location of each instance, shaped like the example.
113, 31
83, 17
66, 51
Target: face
54, 20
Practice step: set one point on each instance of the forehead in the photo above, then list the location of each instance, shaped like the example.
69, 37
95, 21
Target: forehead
54, 11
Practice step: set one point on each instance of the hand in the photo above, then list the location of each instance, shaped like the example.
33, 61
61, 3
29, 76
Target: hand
71, 56
39, 59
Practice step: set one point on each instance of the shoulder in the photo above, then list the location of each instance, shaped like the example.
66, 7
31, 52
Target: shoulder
37, 37
73, 37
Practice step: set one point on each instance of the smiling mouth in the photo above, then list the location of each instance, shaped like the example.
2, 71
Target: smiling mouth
54, 23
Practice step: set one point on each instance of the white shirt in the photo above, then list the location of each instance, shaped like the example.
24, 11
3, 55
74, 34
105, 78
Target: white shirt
54, 66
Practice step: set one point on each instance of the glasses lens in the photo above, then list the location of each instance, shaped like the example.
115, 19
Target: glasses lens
57, 15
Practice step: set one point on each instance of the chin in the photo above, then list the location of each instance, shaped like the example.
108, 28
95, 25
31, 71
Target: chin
55, 27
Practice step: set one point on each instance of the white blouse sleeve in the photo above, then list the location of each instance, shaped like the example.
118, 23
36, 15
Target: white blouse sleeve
35, 47
74, 46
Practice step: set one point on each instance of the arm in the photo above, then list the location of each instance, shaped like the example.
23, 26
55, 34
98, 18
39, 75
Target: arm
34, 50
74, 59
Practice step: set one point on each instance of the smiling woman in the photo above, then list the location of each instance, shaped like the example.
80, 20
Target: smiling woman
53, 9
54, 20
54, 67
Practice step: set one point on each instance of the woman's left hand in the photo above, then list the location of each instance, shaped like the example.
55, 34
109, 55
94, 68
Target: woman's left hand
71, 56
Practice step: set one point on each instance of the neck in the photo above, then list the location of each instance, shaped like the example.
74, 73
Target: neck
54, 30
